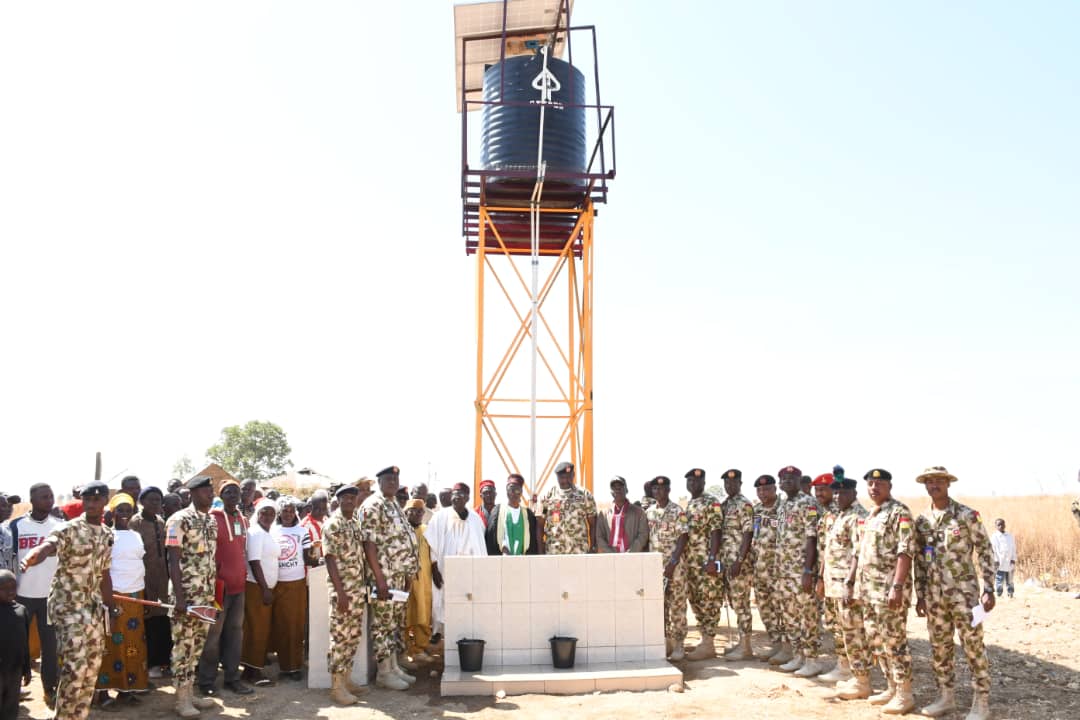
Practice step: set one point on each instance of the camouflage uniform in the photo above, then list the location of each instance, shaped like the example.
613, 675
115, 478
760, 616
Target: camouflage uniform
763, 551
383, 523
705, 514
666, 525
798, 521
84, 554
193, 535
566, 520
647, 502
341, 538
947, 582
738, 519
884, 534
837, 535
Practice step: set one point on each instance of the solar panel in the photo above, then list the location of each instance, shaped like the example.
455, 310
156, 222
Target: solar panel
526, 21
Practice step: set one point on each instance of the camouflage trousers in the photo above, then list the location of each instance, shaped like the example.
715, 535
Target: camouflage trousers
886, 637
346, 631
706, 597
800, 615
739, 598
943, 617
80, 649
387, 619
189, 637
831, 616
767, 598
675, 595
853, 635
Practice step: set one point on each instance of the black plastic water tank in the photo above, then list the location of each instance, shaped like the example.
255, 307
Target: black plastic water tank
509, 133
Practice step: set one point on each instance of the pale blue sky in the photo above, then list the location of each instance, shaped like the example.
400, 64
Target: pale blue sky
841, 232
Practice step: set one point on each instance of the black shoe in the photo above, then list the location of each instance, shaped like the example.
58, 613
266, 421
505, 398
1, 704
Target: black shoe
293, 675
206, 691
50, 697
239, 688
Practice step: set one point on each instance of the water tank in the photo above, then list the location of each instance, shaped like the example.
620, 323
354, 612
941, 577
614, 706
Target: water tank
509, 133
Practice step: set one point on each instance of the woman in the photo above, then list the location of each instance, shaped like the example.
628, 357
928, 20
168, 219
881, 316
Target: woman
124, 667
290, 593
149, 525
262, 556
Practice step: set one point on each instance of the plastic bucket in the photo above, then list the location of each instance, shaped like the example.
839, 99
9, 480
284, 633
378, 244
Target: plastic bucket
563, 650
471, 654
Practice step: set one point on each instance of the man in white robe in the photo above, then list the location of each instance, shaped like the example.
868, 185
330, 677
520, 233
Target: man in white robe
456, 530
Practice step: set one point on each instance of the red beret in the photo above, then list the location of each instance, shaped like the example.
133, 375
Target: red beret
790, 470
487, 483
461, 487
826, 479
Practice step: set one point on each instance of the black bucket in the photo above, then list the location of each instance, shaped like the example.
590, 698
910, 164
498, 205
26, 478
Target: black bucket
471, 654
562, 652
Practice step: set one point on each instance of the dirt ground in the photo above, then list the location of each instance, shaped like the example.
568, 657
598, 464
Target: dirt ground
1033, 642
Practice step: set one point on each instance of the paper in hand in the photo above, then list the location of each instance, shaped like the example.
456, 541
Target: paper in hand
978, 614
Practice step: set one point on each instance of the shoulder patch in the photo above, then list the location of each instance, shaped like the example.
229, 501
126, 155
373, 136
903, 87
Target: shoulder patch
975, 514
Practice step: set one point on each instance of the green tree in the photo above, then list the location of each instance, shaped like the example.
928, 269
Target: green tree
255, 451
183, 468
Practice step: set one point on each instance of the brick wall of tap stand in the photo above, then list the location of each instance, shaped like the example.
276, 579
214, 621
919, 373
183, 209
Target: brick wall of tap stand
613, 605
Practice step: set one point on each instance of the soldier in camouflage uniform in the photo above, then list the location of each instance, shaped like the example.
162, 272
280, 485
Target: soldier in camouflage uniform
706, 515
393, 560
880, 579
343, 549
647, 500
190, 549
947, 585
821, 486
736, 536
838, 532
668, 529
763, 552
83, 547
567, 516
795, 572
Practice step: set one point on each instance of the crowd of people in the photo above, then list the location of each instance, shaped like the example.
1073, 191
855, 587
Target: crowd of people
130, 587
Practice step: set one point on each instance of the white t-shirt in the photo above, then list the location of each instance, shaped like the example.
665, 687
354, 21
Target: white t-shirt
262, 546
36, 581
292, 541
127, 570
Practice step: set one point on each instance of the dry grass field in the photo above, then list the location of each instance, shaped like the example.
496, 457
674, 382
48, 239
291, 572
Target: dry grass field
1047, 536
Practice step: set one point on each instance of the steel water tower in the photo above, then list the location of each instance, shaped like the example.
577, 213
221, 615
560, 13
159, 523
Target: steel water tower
529, 196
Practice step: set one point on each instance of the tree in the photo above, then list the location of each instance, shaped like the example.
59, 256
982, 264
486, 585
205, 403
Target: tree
255, 451
183, 468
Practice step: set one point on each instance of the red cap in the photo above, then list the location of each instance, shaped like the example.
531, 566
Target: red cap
487, 483
826, 479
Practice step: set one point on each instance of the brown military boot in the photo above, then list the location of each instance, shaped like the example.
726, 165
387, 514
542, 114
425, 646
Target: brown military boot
885, 695
980, 706
396, 667
387, 678
945, 703
352, 687
705, 649
742, 651
858, 688
782, 656
902, 701
184, 708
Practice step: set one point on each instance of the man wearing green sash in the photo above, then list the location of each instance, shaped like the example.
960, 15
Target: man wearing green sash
511, 529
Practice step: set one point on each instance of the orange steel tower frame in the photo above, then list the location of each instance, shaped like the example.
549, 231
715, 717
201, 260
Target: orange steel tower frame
512, 219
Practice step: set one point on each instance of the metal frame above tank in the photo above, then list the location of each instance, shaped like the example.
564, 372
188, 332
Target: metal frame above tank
515, 27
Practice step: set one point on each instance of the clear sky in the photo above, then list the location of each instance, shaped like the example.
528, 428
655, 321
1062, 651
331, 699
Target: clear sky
841, 232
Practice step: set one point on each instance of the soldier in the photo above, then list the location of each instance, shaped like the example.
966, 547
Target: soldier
827, 512
705, 515
81, 585
343, 549
392, 560
647, 500
947, 585
763, 552
668, 529
796, 559
190, 549
880, 579
567, 516
736, 535
839, 532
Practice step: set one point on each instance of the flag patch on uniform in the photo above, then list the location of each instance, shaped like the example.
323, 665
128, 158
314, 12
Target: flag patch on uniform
905, 523
977, 518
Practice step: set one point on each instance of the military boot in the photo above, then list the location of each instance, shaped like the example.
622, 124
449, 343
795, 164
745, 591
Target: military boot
946, 702
396, 666
857, 688
902, 701
885, 695
352, 687
811, 668
794, 664
839, 674
669, 647
742, 651
339, 691
767, 652
200, 703
783, 655
184, 708
387, 678
678, 652
705, 649
980, 706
